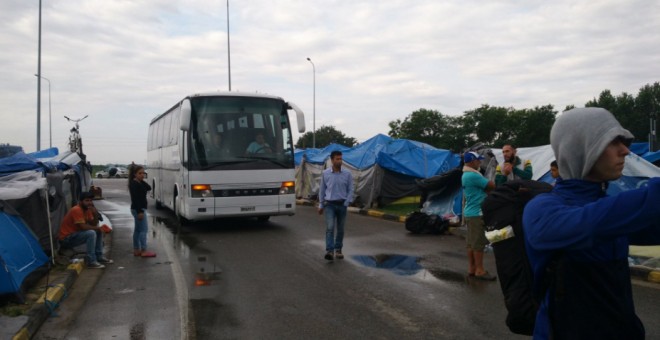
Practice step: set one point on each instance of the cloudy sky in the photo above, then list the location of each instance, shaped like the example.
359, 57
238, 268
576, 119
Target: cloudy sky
123, 62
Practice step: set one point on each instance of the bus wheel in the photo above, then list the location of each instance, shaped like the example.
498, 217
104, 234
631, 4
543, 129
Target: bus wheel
263, 218
182, 220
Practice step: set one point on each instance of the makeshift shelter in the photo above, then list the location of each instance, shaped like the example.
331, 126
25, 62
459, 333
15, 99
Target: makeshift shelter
41, 186
20, 253
309, 165
636, 170
384, 169
442, 193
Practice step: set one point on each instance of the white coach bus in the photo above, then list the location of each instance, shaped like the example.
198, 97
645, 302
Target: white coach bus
224, 154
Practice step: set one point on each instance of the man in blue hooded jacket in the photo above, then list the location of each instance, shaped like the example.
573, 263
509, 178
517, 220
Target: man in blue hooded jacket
582, 235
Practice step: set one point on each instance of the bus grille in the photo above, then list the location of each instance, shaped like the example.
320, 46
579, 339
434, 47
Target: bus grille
246, 192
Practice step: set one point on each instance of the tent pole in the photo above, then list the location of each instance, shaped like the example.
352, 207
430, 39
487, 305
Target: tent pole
50, 228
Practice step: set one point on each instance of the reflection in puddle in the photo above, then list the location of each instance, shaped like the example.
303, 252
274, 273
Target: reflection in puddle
207, 274
408, 266
397, 264
204, 272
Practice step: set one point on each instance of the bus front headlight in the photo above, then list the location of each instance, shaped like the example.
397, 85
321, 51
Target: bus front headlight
201, 190
288, 188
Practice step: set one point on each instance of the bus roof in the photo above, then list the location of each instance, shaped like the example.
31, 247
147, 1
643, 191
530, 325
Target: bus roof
217, 94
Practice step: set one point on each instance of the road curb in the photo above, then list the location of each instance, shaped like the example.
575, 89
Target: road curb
48, 302
55, 293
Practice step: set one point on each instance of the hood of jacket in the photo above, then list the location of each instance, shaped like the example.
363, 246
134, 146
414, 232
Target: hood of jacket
579, 136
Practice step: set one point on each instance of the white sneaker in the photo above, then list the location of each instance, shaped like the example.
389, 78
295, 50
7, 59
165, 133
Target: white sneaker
95, 265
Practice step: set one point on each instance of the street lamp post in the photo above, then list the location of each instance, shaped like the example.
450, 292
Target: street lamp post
50, 120
39, 85
314, 107
228, 49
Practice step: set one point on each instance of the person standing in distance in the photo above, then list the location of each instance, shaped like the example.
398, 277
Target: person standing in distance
138, 189
554, 172
475, 187
513, 167
577, 236
335, 195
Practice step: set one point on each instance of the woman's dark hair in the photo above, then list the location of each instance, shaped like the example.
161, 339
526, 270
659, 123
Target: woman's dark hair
132, 171
554, 164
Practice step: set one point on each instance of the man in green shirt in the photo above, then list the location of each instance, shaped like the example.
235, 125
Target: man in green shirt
513, 167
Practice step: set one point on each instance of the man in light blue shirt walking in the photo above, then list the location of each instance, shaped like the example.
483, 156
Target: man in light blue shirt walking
335, 195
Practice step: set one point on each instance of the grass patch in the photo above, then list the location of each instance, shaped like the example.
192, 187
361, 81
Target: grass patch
402, 209
14, 310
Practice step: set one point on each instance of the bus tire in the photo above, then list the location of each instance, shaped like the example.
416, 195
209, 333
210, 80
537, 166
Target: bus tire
182, 220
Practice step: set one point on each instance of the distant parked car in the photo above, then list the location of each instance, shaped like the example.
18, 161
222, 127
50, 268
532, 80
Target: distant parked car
113, 172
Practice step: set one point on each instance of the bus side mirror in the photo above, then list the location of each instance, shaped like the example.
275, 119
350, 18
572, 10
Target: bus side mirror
186, 110
300, 117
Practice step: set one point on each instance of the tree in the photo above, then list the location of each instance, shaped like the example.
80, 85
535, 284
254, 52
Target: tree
531, 127
632, 112
324, 136
647, 103
489, 124
426, 126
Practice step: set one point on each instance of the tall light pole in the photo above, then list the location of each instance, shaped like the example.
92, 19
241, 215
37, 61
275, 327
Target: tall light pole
314, 107
39, 85
228, 49
50, 119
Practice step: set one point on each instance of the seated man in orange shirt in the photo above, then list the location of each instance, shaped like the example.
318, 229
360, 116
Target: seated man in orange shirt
80, 226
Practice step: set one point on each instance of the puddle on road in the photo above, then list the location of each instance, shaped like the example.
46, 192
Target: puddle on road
204, 272
397, 264
404, 265
207, 274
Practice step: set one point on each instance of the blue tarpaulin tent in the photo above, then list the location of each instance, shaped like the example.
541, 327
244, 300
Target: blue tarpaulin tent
383, 168
20, 252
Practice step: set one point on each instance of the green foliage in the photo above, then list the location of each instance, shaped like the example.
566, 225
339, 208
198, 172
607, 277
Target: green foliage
632, 112
490, 125
324, 136
496, 126
426, 126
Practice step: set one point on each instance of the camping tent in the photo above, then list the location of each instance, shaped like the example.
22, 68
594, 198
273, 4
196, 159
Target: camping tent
636, 171
20, 253
383, 168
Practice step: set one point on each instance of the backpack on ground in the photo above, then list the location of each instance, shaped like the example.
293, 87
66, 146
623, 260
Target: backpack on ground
421, 223
503, 207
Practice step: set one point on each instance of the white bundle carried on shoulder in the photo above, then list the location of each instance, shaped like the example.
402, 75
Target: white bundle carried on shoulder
500, 234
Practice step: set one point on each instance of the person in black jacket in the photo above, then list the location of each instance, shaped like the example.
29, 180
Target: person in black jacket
138, 189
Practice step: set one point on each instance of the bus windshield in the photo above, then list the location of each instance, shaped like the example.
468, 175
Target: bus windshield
239, 133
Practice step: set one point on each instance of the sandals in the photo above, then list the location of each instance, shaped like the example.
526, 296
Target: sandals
485, 277
148, 254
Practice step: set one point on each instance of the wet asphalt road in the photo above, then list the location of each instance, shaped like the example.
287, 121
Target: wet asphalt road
246, 279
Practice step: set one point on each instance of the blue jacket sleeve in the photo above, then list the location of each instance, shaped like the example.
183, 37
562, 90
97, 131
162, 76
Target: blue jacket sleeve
551, 224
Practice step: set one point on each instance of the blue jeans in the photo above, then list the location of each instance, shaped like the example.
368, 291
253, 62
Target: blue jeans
92, 238
334, 212
140, 231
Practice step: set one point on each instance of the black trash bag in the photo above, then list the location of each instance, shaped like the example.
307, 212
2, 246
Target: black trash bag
421, 223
